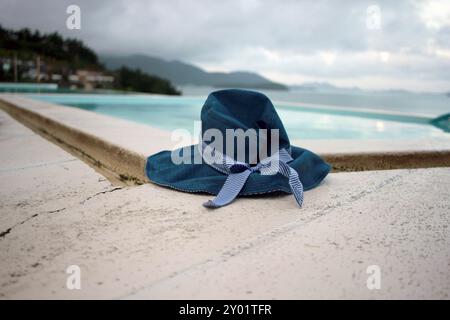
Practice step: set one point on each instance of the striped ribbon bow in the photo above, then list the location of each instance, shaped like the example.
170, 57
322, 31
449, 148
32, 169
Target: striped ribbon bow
238, 173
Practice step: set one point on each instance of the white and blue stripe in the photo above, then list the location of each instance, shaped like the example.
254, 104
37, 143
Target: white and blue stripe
238, 173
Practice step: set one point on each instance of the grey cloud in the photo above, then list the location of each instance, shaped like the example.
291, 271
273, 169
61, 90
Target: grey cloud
228, 33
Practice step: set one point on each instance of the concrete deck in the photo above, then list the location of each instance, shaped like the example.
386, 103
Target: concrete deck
150, 242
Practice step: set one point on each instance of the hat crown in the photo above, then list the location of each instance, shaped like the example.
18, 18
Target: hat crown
242, 109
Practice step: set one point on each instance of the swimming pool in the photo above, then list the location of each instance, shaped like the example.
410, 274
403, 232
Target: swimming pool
301, 121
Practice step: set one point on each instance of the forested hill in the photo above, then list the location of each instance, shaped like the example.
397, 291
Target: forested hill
27, 43
65, 57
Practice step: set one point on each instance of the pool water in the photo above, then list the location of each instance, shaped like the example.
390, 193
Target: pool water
171, 113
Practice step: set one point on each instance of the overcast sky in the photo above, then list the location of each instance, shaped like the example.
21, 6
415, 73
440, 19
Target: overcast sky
342, 42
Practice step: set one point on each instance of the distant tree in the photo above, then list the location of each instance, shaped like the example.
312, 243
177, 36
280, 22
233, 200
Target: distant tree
136, 80
51, 45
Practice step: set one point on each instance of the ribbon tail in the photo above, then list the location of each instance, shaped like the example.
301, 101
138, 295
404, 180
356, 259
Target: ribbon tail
294, 181
230, 189
296, 186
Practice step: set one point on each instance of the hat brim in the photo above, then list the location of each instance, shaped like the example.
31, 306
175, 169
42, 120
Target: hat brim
191, 177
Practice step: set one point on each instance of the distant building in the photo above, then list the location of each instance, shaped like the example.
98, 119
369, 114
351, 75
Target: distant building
38, 70
93, 79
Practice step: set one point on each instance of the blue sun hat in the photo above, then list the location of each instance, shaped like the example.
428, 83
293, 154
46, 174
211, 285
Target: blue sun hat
226, 173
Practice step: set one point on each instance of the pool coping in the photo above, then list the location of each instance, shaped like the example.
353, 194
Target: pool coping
124, 163
121, 147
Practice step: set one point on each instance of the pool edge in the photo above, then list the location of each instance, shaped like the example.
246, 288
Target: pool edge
109, 158
129, 165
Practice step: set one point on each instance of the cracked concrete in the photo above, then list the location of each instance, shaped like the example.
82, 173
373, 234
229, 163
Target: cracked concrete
101, 192
151, 242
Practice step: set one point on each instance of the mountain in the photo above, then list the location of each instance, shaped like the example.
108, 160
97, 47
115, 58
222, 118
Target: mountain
182, 73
